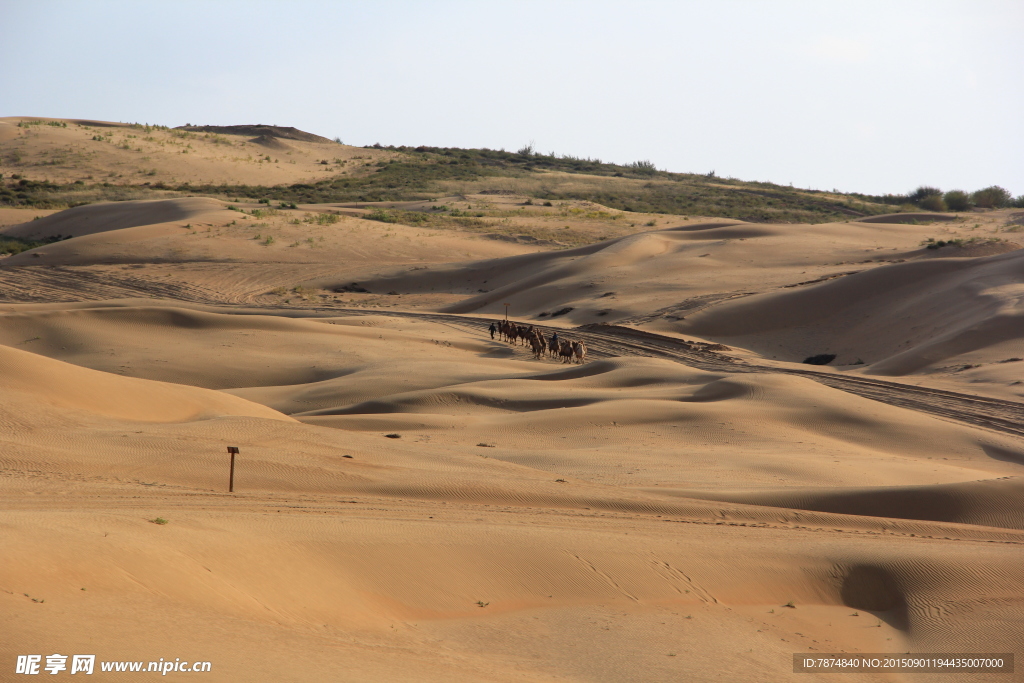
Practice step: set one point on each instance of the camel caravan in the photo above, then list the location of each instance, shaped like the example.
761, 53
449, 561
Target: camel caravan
567, 350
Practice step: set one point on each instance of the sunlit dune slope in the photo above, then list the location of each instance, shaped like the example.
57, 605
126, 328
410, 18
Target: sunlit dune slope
66, 387
65, 151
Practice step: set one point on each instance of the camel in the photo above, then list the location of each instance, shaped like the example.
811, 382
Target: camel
553, 344
538, 343
565, 350
579, 350
524, 333
511, 329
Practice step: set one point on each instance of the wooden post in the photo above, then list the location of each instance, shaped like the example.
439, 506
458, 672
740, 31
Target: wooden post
233, 450
506, 312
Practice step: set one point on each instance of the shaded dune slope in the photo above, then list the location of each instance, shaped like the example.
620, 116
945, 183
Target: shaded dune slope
898, 319
95, 218
993, 502
539, 281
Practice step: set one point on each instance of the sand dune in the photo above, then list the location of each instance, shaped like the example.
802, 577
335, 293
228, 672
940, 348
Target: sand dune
985, 503
202, 230
898, 319
415, 501
785, 292
98, 151
94, 218
75, 389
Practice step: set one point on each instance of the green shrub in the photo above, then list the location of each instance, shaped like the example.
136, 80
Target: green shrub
918, 195
933, 202
957, 200
993, 197
644, 166
379, 214
14, 245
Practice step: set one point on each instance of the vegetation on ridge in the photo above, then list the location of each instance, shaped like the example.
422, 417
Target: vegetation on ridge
419, 173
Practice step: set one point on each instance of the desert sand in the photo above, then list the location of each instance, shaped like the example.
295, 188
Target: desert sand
86, 150
415, 501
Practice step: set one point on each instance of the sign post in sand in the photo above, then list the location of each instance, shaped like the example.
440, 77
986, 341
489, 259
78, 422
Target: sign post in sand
506, 312
233, 450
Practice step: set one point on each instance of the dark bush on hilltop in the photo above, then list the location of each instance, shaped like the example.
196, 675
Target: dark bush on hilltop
933, 202
957, 200
820, 359
644, 166
922, 193
993, 197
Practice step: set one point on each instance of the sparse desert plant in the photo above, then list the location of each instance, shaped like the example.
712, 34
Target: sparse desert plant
268, 241
379, 214
957, 200
158, 520
932, 243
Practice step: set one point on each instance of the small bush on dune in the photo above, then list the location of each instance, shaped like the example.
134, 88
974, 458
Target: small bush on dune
14, 245
957, 200
378, 214
933, 202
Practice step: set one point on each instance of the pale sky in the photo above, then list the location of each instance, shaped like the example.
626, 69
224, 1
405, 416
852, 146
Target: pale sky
875, 97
